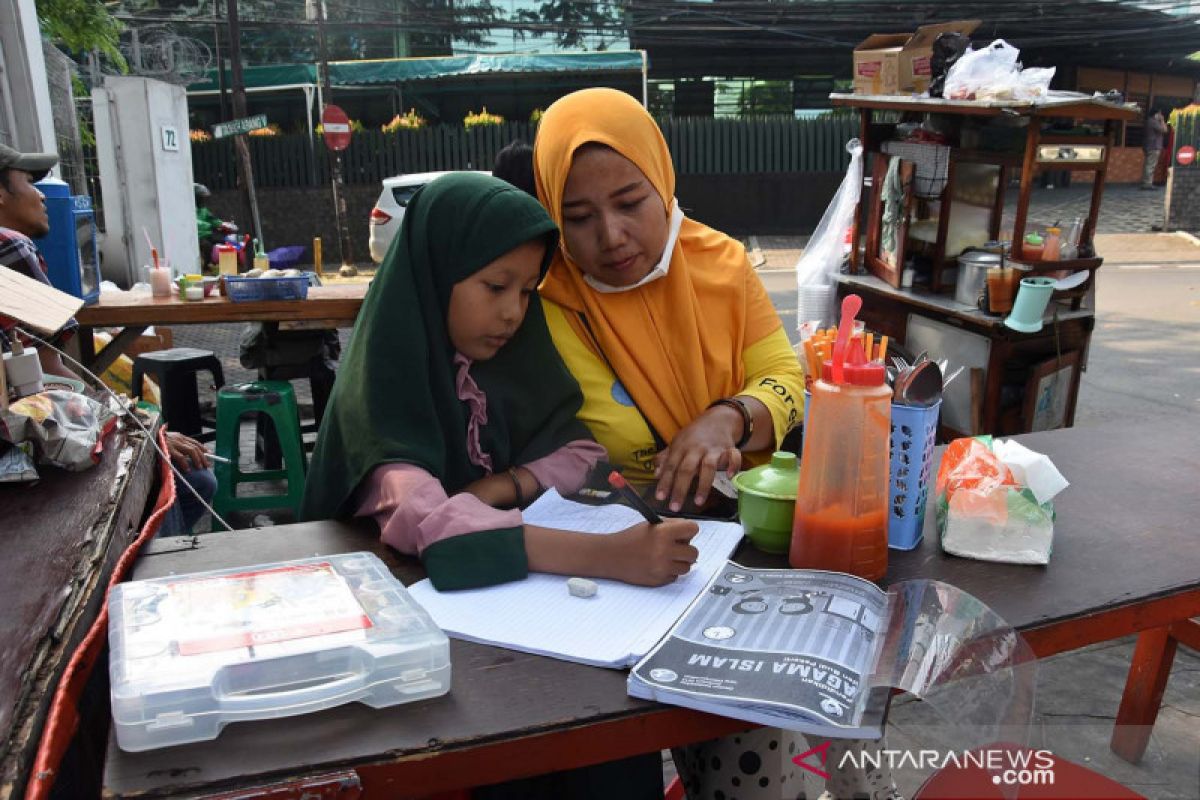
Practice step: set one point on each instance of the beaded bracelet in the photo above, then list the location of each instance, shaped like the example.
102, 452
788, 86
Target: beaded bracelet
747, 418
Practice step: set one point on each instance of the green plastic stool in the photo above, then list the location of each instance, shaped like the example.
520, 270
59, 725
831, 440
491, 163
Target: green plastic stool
277, 400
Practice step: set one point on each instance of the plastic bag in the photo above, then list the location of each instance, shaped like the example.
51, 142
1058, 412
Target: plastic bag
995, 74
948, 48
981, 69
986, 511
61, 428
822, 258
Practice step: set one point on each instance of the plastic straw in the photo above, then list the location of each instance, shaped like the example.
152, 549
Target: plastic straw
810, 354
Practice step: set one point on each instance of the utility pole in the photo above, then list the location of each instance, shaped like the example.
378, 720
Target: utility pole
245, 169
345, 245
220, 61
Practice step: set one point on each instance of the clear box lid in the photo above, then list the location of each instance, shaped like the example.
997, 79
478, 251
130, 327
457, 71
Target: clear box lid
266, 641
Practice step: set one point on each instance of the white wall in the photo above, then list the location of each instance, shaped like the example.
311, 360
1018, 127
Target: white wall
26, 121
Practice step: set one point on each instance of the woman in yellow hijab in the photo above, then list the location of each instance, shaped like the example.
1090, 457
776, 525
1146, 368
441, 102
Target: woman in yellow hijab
683, 361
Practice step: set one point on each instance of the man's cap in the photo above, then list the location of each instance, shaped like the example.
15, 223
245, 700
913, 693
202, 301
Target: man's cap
36, 164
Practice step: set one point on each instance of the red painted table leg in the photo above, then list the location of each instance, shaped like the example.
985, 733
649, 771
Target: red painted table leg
1143, 694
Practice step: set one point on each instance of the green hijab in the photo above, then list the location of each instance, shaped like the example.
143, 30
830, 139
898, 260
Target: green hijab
395, 397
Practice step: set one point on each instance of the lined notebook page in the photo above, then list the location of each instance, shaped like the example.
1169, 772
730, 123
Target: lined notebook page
615, 628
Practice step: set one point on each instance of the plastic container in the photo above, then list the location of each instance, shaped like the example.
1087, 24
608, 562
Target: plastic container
245, 290
1070, 245
767, 501
1032, 247
841, 516
227, 259
1030, 305
192, 653
1052, 246
160, 281
914, 431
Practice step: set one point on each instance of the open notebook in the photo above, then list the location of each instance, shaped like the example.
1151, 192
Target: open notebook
615, 628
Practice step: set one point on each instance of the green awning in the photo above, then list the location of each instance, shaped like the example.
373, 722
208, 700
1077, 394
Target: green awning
262, 77
400, 70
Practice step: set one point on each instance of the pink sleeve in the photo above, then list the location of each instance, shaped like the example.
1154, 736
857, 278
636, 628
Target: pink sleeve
413, 511
567, 467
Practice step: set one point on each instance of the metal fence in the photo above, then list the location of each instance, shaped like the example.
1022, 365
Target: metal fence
698, 146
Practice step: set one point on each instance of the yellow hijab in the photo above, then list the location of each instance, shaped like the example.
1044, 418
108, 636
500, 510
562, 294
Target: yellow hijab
675, 343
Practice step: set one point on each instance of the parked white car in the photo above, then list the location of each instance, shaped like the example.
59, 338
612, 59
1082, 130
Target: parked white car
388, 212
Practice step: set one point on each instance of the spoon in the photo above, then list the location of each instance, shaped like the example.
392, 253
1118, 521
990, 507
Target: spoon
923, 387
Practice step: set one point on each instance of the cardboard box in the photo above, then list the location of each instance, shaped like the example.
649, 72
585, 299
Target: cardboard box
877, 63
915, 72
899, 63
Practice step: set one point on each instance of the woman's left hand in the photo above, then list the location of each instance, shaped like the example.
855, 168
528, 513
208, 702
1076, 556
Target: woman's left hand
696, 453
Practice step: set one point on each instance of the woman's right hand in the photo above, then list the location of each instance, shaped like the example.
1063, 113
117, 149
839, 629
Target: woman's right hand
650, 555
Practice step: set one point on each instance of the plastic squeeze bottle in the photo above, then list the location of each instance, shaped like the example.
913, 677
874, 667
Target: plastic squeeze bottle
842, 501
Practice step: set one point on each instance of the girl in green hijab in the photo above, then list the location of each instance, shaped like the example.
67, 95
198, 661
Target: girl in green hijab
452, 407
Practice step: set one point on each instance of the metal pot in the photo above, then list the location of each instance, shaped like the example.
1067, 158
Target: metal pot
972, 275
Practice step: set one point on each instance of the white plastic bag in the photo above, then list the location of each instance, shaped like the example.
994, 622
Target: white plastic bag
980, 70
994, 73
822, 258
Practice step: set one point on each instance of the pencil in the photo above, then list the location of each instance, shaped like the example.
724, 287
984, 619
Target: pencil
617, 481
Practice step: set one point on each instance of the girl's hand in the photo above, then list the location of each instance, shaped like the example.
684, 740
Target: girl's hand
696, 453
649, 555
495, 490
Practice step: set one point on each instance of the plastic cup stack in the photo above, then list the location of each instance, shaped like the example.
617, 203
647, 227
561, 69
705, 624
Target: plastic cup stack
816, 304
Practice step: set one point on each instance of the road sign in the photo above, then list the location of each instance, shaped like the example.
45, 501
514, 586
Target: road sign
239, 126
1186, 155
336, 127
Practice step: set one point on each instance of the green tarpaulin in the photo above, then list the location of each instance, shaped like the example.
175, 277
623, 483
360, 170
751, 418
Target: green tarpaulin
399, 70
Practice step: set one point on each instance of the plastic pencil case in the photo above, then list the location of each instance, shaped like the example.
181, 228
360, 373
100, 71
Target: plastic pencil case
914, 431
191, 653
245, 290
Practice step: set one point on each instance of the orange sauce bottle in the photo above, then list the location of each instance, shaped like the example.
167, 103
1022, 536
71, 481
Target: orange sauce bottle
842, 502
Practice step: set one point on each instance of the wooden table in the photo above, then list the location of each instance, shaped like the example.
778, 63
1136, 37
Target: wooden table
326, 307
60, 540
1124, 561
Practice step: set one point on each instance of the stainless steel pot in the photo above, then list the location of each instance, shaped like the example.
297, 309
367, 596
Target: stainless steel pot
972, 275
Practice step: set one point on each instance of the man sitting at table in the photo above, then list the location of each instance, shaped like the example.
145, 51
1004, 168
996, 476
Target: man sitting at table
23, 217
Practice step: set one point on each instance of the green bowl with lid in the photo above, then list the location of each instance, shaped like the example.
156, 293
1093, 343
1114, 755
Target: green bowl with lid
767, 501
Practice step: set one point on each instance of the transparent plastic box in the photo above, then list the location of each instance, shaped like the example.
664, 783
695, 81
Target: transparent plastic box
192, 653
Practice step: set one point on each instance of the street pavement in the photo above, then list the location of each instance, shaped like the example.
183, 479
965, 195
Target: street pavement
1144, 362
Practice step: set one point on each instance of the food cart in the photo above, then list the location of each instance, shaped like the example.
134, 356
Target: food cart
950, 198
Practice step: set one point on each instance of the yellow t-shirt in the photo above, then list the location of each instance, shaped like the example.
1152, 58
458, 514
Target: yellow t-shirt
773, 376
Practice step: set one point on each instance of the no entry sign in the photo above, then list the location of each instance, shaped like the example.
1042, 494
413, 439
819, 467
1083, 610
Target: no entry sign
336, 127
1186, 155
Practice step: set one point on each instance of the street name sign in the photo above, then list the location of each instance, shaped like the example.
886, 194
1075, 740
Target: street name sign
238, 126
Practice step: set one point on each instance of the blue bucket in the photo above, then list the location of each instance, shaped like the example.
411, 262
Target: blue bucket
914, 431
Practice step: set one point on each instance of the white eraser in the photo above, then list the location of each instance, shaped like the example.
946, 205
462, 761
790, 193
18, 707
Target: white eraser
581, 587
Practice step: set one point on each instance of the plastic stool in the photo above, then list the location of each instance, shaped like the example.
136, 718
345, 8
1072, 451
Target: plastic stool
175, 371
277, 400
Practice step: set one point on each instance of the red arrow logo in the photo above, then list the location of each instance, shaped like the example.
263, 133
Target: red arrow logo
822, 752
